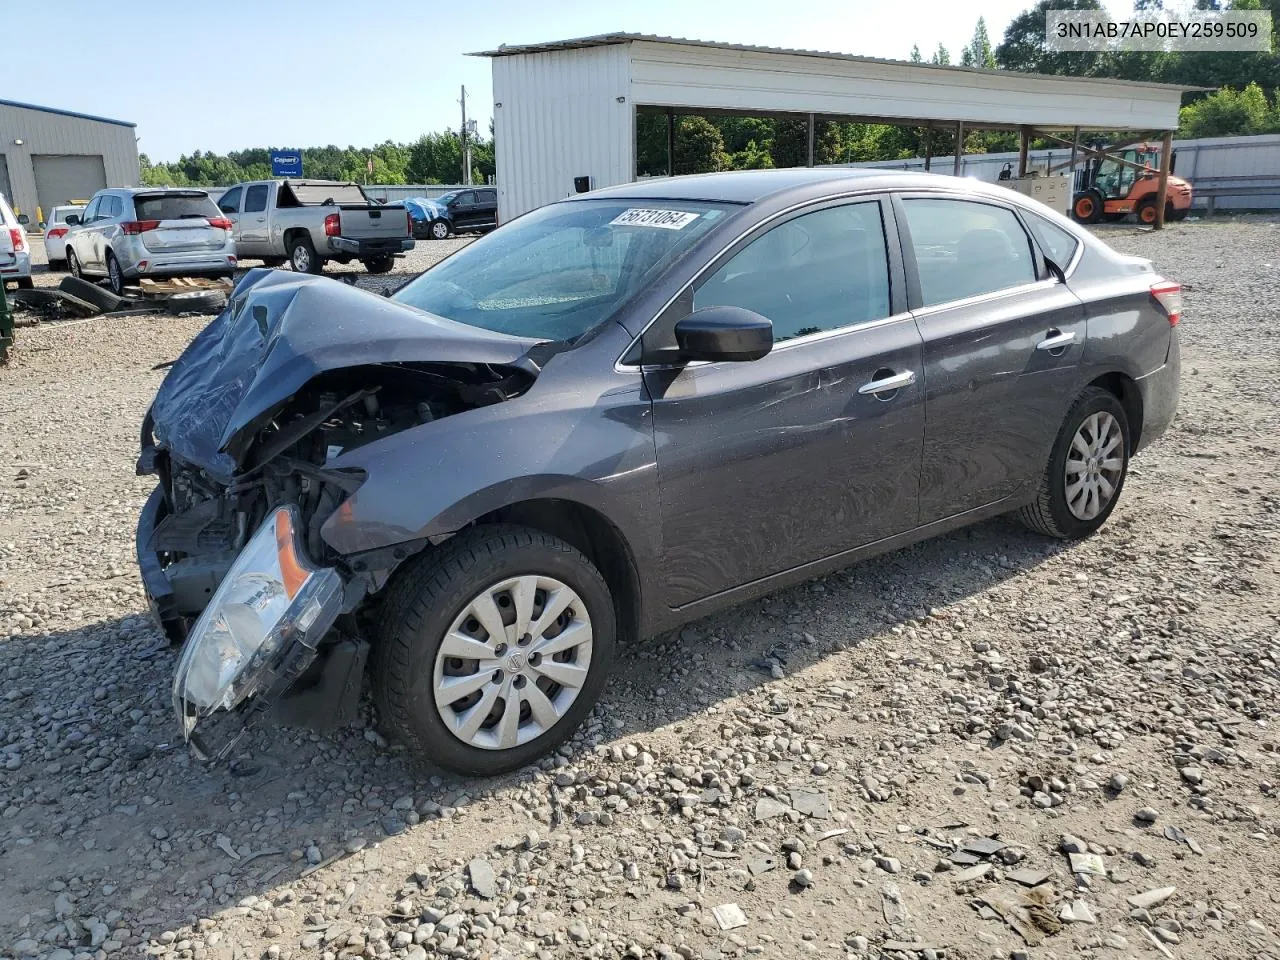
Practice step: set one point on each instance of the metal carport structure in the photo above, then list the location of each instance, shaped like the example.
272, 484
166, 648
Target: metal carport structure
565, 111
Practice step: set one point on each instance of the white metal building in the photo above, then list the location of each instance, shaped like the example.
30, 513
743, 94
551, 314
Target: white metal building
50, 157
567, 109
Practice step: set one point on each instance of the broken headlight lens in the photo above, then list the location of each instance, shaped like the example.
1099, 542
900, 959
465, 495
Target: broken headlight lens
272, 596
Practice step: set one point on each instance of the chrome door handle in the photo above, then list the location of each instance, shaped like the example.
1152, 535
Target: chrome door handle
889, 384
1057, 342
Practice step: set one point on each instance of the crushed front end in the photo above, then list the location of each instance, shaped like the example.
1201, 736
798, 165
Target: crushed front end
240, 437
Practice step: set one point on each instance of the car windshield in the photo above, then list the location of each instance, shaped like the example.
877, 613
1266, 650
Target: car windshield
557, 272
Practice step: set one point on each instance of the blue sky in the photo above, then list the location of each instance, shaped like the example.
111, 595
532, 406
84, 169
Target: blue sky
313, 72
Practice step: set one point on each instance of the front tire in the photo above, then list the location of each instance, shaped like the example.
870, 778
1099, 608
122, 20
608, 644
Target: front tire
1088, 207
492, 650
440, 229
73, 265
1086, 469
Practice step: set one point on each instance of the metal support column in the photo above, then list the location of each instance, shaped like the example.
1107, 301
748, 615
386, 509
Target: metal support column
928, 146
810, 154
1075, 148
1024, 145
1166, 159
955, 172
671, 142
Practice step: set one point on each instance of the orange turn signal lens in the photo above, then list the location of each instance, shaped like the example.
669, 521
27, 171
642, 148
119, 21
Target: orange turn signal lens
291, 571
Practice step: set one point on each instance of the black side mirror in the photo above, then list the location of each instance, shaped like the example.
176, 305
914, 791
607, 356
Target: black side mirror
23, 219
73, 219
724, 333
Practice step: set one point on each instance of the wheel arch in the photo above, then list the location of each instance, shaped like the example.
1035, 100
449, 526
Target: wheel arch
599, 540
1125, 389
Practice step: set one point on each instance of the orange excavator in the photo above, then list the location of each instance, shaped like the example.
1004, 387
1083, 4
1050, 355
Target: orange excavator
1113, 185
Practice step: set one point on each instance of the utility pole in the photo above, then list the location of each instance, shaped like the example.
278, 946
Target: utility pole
466, 144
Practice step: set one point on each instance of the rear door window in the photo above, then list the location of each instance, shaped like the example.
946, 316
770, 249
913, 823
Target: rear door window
255, 198
488, 196
1058, 243
817, 272
965, 248
174, 206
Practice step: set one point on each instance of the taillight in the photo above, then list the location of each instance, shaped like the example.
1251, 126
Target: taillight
135, 227
222, 223
408, 219
18, 239
1169, 296
332, 226
57, 232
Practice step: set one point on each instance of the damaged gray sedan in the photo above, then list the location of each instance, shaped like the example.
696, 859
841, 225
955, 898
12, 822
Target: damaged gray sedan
614, 415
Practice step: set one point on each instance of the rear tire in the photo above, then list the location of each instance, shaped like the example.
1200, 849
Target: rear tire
433, 597
1146, 212
26, 283
115, 276
1084, 455
303, 257
380, 264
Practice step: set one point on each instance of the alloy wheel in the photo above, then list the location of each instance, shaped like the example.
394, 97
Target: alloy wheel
513, 662
440, 230
301, 259
1095, 464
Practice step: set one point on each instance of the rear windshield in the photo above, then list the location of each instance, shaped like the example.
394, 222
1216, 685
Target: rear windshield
175, 206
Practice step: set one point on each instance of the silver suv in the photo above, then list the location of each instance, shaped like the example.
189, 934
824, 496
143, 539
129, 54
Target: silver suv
129, 233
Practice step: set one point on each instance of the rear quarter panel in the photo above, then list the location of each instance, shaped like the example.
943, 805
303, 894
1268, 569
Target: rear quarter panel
1127, 332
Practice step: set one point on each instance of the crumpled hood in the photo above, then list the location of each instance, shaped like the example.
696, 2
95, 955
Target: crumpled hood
281, 329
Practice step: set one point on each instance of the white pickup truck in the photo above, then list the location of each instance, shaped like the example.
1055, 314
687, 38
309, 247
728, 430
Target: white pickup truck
307, 222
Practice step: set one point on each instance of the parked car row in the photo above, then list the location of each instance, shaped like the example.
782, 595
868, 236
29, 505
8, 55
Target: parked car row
125, 234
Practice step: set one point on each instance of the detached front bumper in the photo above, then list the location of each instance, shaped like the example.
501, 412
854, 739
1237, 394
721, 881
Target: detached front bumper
363, 249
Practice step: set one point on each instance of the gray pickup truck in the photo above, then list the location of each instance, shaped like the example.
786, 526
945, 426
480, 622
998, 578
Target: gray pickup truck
307, 222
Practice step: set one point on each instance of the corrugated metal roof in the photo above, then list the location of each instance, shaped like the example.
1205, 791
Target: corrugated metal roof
611, 39
65, 113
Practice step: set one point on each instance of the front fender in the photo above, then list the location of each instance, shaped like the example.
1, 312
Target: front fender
583, 438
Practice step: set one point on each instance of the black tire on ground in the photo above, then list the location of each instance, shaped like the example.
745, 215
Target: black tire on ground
197, 301
440, 229
1113, 217
1146, 211
274, 262
1049, 513
1177, 214
1087, 207
26, 283
303, 257
422, 602
115, 275
73, 265
105, 300
57, 265
380, 264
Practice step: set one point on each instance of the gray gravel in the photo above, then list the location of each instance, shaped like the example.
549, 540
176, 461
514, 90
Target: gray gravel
886, 762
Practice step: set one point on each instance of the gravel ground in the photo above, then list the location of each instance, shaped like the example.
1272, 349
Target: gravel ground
821, 759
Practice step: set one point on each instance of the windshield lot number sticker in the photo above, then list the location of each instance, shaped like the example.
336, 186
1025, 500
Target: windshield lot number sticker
662, 219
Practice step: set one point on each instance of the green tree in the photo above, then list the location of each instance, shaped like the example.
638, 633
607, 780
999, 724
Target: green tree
915, 54
979, 53
699, 147
1229, 113
1023, 47
941, 56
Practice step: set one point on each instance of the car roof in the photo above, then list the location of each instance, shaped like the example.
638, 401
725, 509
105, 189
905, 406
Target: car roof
751, 186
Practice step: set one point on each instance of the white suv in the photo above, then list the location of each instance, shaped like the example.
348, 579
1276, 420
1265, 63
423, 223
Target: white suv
15, 251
